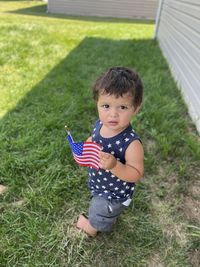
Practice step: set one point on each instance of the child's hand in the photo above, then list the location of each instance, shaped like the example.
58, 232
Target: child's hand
107, 161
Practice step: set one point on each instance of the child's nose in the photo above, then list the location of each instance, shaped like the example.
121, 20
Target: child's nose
113, 112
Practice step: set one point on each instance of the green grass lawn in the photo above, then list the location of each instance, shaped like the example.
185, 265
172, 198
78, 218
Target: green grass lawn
47, 66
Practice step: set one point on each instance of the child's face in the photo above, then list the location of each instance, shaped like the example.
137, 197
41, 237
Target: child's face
115, 113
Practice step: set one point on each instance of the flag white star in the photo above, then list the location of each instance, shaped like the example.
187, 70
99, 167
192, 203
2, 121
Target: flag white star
109, 145
117, 142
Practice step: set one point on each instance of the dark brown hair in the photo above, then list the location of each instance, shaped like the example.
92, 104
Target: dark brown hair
118, 81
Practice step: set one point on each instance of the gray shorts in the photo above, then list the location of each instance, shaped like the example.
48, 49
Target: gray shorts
103, 213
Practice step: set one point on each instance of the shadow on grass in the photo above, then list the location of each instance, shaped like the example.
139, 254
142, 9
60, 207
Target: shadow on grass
41, 10
36, 162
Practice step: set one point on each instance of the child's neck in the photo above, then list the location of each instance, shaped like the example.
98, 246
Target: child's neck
109, 133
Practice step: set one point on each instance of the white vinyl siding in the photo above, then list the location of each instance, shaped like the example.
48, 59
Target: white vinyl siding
178, 33
143, 9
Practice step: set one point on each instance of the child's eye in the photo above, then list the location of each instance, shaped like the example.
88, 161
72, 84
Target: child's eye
105, 106
123, 107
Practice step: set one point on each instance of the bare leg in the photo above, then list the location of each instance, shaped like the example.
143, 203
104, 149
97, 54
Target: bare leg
84, 224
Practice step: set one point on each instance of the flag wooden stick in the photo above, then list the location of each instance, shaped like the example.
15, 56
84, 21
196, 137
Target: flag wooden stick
67, 129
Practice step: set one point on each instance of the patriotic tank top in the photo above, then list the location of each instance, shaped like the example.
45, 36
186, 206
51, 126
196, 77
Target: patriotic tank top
102, 182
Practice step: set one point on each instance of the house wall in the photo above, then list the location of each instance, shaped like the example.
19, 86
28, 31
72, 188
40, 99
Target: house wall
145, 9
178, 33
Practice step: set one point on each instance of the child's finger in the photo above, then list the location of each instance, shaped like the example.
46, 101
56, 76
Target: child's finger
104, 155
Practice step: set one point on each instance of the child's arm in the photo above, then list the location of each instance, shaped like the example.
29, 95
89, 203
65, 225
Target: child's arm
132, 170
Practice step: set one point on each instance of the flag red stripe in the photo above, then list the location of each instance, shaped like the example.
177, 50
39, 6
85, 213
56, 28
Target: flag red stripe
90, 152
87, 162
80, 159
88, 156
91, 146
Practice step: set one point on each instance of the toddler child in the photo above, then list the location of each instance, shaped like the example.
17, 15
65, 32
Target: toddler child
118, 95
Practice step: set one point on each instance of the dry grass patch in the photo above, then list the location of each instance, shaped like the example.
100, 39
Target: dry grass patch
191, 203
171, 229
191, 208
194, 189
150, 145
155, 261
194, 258
2, 189
164, 207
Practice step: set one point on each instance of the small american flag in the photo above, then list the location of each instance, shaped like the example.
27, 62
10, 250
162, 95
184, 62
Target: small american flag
85, 153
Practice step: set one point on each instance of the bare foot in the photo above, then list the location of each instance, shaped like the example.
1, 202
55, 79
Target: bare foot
84, 224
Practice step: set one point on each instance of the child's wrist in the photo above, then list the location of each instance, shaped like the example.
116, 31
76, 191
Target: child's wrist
114, 165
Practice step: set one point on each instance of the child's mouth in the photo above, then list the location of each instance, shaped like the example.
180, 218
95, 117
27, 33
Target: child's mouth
113, 123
